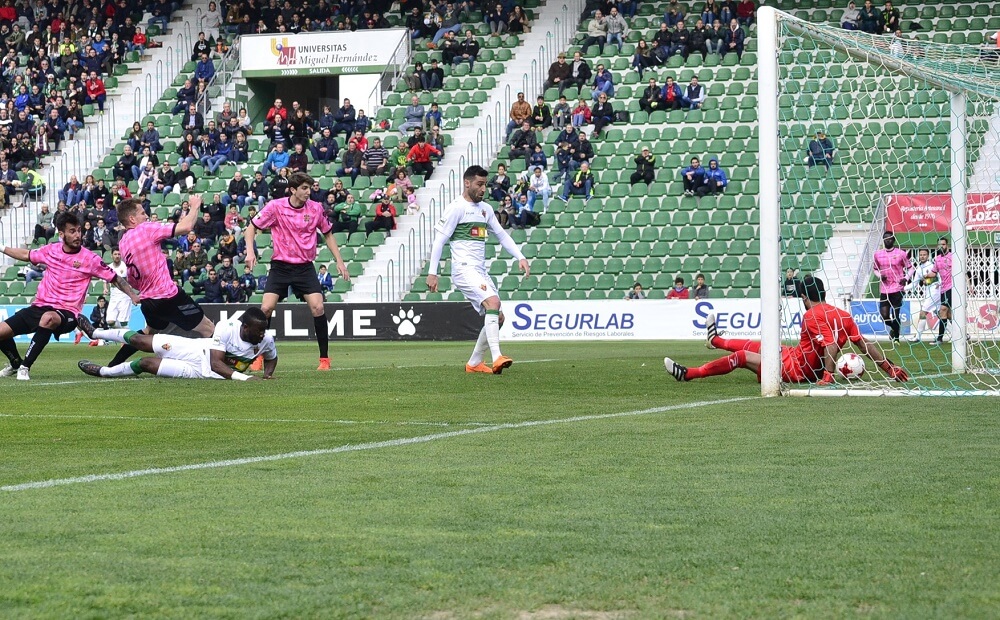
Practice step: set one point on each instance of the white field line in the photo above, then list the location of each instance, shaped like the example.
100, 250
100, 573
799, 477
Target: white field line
392, 443
294, 372
212, 419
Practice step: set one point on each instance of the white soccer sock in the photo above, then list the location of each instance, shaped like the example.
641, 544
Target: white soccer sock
115, 335
121, 370
921, 327
479, 349
492, 329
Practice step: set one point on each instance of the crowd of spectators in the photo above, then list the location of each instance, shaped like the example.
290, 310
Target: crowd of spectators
56, 56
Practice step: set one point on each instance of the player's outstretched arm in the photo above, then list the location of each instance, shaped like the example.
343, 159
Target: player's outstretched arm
123, 286
186, 223
219, 367
875, 354
15, 253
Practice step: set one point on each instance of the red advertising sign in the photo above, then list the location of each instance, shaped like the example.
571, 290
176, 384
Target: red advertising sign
931, 213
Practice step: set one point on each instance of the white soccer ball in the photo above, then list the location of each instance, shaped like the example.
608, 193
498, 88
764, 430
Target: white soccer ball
851, 366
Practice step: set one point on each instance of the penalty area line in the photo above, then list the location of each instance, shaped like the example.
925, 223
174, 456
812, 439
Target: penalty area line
391, 443
213, 419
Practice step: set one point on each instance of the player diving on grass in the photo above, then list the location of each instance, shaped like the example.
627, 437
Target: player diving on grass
230, 350
60, 295
825, 330
466, 222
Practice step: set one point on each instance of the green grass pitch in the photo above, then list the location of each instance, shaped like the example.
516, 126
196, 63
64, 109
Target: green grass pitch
746, 508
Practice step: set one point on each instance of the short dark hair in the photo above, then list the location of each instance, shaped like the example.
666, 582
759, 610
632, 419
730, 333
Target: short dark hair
254, 315
298, 179
474, 171
678, 280
127, 208
812, 288
64, 219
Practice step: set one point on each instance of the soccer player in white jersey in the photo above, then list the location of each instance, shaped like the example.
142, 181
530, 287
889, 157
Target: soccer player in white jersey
926, 281
119, 304
230, 351
465, 224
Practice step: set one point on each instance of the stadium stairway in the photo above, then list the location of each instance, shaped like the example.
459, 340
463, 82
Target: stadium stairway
129, 101
449, 170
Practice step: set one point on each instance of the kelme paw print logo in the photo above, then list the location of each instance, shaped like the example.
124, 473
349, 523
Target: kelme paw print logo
407, 321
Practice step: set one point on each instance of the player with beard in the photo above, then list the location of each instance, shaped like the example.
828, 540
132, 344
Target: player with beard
466, 224
60, 295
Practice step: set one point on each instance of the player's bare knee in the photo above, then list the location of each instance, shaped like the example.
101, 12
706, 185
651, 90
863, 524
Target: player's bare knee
150, 364
50, 320
206, 328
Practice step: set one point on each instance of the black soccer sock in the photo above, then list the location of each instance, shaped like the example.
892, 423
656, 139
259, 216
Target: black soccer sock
942, 327
894, 329
9, 348
322, 335
126, 351
38, 342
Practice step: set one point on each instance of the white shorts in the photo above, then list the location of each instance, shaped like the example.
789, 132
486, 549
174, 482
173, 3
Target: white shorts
184, 358
931, 304
119, 309
475, 284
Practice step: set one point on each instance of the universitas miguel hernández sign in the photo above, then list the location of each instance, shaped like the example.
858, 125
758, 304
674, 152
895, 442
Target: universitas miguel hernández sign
319, 53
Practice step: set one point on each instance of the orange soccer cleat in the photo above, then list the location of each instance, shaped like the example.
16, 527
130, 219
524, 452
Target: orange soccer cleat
324, 363
481, 367
500, 363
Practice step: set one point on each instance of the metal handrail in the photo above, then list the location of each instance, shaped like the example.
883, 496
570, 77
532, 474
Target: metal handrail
391, 74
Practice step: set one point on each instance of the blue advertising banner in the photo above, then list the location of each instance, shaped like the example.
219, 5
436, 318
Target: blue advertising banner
870, 322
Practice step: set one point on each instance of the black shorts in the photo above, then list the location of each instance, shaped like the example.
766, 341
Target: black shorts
26, 320
179, 310
301, 277
893, 299
946, 298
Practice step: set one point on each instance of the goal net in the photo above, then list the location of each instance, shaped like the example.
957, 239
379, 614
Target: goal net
870, 137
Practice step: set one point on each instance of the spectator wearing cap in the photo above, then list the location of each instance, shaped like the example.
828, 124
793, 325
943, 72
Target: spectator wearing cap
541, 115
558, 71
820, 150
645, 167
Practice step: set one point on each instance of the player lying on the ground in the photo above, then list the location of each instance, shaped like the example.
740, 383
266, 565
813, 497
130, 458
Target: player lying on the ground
825, 329
231, 350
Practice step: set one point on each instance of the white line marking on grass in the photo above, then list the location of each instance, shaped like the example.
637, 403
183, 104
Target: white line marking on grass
391, 443
56, 416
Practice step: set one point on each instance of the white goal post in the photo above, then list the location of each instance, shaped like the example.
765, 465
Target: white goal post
945, 68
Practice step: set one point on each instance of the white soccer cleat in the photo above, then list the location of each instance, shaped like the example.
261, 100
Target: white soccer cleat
711, 331
675, 370
8, 371
914, 338
23, 374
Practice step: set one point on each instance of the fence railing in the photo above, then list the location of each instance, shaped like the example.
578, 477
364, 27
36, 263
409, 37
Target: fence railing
227, 66
491, 135
102, 131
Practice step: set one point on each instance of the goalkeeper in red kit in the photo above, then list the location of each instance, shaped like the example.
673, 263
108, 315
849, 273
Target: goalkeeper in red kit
825, 330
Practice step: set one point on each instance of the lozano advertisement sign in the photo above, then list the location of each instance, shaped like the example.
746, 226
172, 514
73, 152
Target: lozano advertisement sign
931, 213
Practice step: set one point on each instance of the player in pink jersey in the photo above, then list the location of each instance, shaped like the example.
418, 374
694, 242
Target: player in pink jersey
892, 266
942, 267
60, 295
293, 223
163, 303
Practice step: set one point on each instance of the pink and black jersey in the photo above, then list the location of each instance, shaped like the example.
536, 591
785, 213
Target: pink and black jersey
67, 277
891, 266
942, 266
293, 230
147, 266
